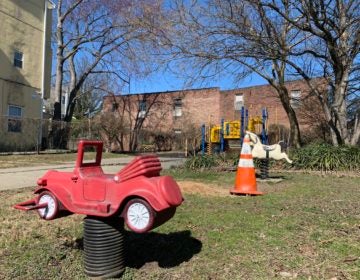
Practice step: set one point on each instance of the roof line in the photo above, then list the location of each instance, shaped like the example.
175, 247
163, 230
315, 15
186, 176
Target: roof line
265, 85
209, 88
168, 91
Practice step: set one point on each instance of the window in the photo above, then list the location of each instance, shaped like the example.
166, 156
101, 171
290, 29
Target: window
63, 99
18, 59
115, 107
142, 109
14, 120
295, 98
239, 102
177, 107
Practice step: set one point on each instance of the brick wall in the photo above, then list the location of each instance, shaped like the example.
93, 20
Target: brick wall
197, 107
258, 97
201, 105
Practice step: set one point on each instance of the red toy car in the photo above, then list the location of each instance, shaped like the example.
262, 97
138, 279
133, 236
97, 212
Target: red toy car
137, 193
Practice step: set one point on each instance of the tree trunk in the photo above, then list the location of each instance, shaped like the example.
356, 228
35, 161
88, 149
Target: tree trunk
278, 83
295, 139
356, 134
341, 111
295, 136
59, 65
331, 123
334, 138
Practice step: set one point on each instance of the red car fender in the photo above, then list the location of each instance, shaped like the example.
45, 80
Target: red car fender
170, 190
157, 204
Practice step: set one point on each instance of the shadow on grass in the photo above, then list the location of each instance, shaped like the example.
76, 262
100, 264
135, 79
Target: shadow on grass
271, 176
168, 250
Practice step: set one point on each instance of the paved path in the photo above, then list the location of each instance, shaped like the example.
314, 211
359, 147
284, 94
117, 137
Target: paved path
20, 177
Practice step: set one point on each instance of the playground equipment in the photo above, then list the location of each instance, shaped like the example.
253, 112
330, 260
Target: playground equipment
245, 182
231, 130
231, 133
136, 194
264, 151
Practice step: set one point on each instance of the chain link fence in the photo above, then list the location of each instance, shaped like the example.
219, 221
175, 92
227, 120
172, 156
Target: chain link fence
26, 135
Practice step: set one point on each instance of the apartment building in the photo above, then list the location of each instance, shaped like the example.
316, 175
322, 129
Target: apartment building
25, 70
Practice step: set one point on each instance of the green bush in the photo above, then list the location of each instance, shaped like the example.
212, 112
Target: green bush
224, 161
198, 162
325, 157
315, 157
217, 161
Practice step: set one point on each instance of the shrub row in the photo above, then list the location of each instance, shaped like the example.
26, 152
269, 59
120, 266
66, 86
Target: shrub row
315, 157
325, 157
211, 161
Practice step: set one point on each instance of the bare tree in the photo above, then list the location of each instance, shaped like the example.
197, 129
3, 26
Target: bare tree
89, 99
235, 38
332, 32
140, 111
112, 129
96, 37
106, 34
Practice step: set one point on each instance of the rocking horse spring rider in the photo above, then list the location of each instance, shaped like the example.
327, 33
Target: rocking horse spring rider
266, 152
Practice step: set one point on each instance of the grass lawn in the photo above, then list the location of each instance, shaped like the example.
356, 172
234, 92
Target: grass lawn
9, 161
306, 227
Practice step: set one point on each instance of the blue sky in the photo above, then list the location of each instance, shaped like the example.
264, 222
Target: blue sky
169, 82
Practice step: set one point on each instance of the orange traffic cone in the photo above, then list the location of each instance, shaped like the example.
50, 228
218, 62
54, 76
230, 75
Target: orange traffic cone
245, 181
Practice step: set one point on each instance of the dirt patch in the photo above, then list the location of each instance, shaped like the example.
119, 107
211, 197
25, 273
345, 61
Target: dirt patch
192, 187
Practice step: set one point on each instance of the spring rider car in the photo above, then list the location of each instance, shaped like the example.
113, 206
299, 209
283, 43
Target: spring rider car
136, 194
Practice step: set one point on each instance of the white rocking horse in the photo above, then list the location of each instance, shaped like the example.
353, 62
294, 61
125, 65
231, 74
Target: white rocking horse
263, 151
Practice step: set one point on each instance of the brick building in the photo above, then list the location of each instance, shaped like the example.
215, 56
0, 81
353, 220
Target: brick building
178, 111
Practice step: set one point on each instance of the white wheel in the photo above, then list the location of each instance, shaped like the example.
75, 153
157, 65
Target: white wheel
51, 210
139, 215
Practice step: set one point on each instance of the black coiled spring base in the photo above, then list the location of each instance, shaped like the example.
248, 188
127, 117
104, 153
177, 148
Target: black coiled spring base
104, 255
264, 168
